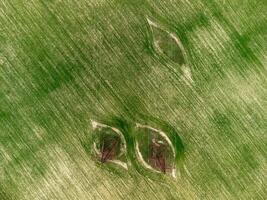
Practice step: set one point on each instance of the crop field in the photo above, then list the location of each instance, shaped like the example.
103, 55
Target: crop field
133, 99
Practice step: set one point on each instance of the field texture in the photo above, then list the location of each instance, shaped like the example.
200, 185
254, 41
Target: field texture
195, 70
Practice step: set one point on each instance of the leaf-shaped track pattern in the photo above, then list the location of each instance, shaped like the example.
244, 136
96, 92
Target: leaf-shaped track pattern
155, 150
169, 45
109, 144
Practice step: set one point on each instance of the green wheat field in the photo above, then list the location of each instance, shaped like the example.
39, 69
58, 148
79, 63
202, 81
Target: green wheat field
196, 70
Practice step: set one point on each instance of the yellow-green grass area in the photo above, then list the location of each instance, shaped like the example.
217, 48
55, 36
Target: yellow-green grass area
65, 63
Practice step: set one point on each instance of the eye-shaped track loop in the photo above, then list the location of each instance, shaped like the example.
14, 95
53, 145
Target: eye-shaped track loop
155, 150
167, 43
109, 144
